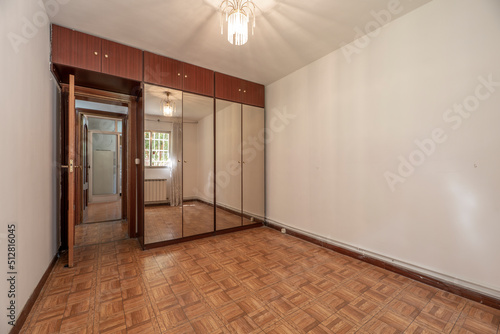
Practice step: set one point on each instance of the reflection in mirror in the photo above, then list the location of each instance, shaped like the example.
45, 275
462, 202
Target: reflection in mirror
198, 168
253, 165
228, 165
162, 164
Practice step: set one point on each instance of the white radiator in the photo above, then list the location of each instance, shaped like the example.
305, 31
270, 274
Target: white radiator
155, 190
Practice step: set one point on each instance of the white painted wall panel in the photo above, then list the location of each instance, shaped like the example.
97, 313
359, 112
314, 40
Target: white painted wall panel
338, 126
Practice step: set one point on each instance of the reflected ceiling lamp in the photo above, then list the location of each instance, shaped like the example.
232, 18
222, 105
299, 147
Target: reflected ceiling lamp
238, 14
168, 106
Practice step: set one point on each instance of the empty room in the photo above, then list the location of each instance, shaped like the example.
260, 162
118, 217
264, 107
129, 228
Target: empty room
250, 166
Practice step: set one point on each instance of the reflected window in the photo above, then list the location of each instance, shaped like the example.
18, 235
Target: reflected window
156, 148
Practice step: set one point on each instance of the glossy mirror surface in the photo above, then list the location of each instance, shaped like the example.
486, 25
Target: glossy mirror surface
162, 164
198, 169
228, 165
253, 140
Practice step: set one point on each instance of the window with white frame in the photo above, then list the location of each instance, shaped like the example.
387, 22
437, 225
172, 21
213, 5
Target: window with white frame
156, 148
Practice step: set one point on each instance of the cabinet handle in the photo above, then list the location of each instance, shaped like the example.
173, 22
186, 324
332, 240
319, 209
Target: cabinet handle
178, 74
239, 90
96, 53
239, 162
185, 161
185, 76
244, 91
106, 56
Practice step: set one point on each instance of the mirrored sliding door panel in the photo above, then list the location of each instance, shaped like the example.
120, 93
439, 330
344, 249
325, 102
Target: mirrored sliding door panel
253, 165
163, 164
198, 165
228, 165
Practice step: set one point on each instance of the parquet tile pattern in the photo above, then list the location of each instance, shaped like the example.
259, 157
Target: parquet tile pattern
254, 281
165, 222
97, 233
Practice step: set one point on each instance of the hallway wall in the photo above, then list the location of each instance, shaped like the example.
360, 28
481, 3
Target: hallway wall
28, 147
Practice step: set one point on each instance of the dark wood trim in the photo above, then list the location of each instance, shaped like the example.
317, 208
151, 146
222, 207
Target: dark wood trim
93, 112
97, 95
420, 277
200, 236
21, 319
71, 173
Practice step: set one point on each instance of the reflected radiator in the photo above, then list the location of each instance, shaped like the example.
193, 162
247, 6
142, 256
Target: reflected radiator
155, 190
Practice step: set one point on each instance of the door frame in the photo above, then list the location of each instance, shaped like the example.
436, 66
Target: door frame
130, 170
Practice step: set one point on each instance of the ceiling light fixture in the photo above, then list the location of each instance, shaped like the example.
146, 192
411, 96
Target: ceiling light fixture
238, 14
168, 106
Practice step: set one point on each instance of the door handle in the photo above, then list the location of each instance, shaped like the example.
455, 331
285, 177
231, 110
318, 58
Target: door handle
70, 166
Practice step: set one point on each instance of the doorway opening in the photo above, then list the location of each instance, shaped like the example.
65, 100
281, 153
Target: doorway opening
102, 184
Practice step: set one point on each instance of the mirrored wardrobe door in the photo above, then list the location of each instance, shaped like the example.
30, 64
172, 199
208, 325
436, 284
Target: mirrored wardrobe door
253, 141
198, 170
228, 164
162, 164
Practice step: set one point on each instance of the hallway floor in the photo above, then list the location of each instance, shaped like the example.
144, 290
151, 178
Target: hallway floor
98, 233
254, 281
102, 212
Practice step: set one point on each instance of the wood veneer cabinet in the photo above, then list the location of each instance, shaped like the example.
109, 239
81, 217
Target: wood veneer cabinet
76, 49
238, 90
198, 80
121, 60
163, 71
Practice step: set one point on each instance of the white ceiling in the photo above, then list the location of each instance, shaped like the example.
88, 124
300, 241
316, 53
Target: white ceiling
289, 34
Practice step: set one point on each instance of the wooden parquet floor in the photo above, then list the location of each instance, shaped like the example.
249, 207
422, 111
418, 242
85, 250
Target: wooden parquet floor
253, 281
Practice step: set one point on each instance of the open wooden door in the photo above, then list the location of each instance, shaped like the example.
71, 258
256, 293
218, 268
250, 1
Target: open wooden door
71, 185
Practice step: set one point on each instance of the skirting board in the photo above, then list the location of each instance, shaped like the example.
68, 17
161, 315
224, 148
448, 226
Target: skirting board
21, 319
461, 288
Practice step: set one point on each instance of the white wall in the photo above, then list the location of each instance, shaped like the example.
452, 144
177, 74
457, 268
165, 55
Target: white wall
27, 147
338, 127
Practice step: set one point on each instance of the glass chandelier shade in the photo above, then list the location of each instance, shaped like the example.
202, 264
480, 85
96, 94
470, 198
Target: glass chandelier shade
168, 106
238, 14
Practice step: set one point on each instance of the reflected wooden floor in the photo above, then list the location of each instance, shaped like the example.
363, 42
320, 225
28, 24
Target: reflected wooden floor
100, 212
98, 233
164, 222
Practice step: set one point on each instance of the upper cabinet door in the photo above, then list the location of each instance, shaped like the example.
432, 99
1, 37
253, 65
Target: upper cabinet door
198, 80
253, 94
228, 87
121, 60
238, 90
76, 49
163, 71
